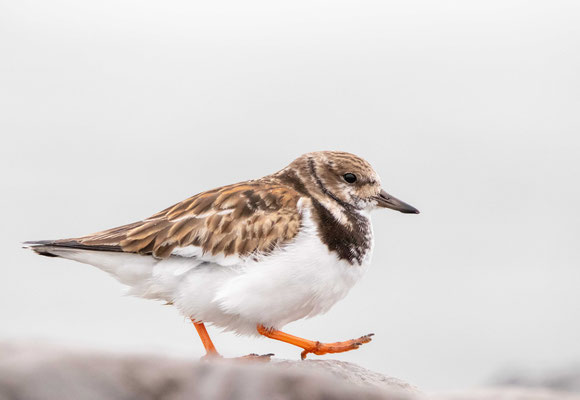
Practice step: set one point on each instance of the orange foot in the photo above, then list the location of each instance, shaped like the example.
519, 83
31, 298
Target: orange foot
315, 347
256, 357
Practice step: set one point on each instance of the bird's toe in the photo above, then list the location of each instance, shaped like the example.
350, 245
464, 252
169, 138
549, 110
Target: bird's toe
256, 357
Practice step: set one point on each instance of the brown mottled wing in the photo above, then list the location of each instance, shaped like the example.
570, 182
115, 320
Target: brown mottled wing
241, 219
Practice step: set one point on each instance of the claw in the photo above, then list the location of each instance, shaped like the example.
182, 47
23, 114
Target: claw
256, 357
366, 338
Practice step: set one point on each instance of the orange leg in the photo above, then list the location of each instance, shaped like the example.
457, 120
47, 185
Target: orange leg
211, 351
311, 346
205, 339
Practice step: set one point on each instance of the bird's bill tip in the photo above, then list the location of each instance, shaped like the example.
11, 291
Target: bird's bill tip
385, 200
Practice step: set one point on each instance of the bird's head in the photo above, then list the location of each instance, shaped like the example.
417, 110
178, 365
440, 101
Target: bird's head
346, 179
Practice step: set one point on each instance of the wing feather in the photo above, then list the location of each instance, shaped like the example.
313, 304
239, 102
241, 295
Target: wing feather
242, 219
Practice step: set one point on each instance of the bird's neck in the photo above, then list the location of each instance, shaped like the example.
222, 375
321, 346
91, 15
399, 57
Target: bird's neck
346, 231
350, 236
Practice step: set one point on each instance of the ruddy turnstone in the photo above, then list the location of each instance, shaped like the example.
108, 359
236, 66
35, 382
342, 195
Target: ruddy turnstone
252, 256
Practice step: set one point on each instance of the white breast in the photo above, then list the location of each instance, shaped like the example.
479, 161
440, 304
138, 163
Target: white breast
300, 280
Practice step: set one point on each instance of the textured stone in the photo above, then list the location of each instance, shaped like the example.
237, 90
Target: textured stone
36, 373
506, 393
31, 372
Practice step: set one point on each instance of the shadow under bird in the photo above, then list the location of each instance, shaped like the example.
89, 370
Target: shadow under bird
253, 256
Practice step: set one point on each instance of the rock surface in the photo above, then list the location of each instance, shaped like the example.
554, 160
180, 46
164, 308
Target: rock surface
34, 373
507, 393
29, 372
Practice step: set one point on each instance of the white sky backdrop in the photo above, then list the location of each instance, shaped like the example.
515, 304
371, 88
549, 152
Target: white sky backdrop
469, 110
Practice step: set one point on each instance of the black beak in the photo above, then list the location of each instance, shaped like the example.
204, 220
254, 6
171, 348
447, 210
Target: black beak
386, 200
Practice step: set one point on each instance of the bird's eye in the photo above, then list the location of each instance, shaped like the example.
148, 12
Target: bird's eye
350, 178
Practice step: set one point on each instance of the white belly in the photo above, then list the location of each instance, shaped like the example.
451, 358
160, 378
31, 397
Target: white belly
301, 280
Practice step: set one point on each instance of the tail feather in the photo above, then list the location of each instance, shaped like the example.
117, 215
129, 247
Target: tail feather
43, 247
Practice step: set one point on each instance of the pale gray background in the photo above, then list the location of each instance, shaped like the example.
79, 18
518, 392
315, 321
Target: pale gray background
112, 110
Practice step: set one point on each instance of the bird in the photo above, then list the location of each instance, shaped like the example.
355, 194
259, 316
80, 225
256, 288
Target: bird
253, 256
